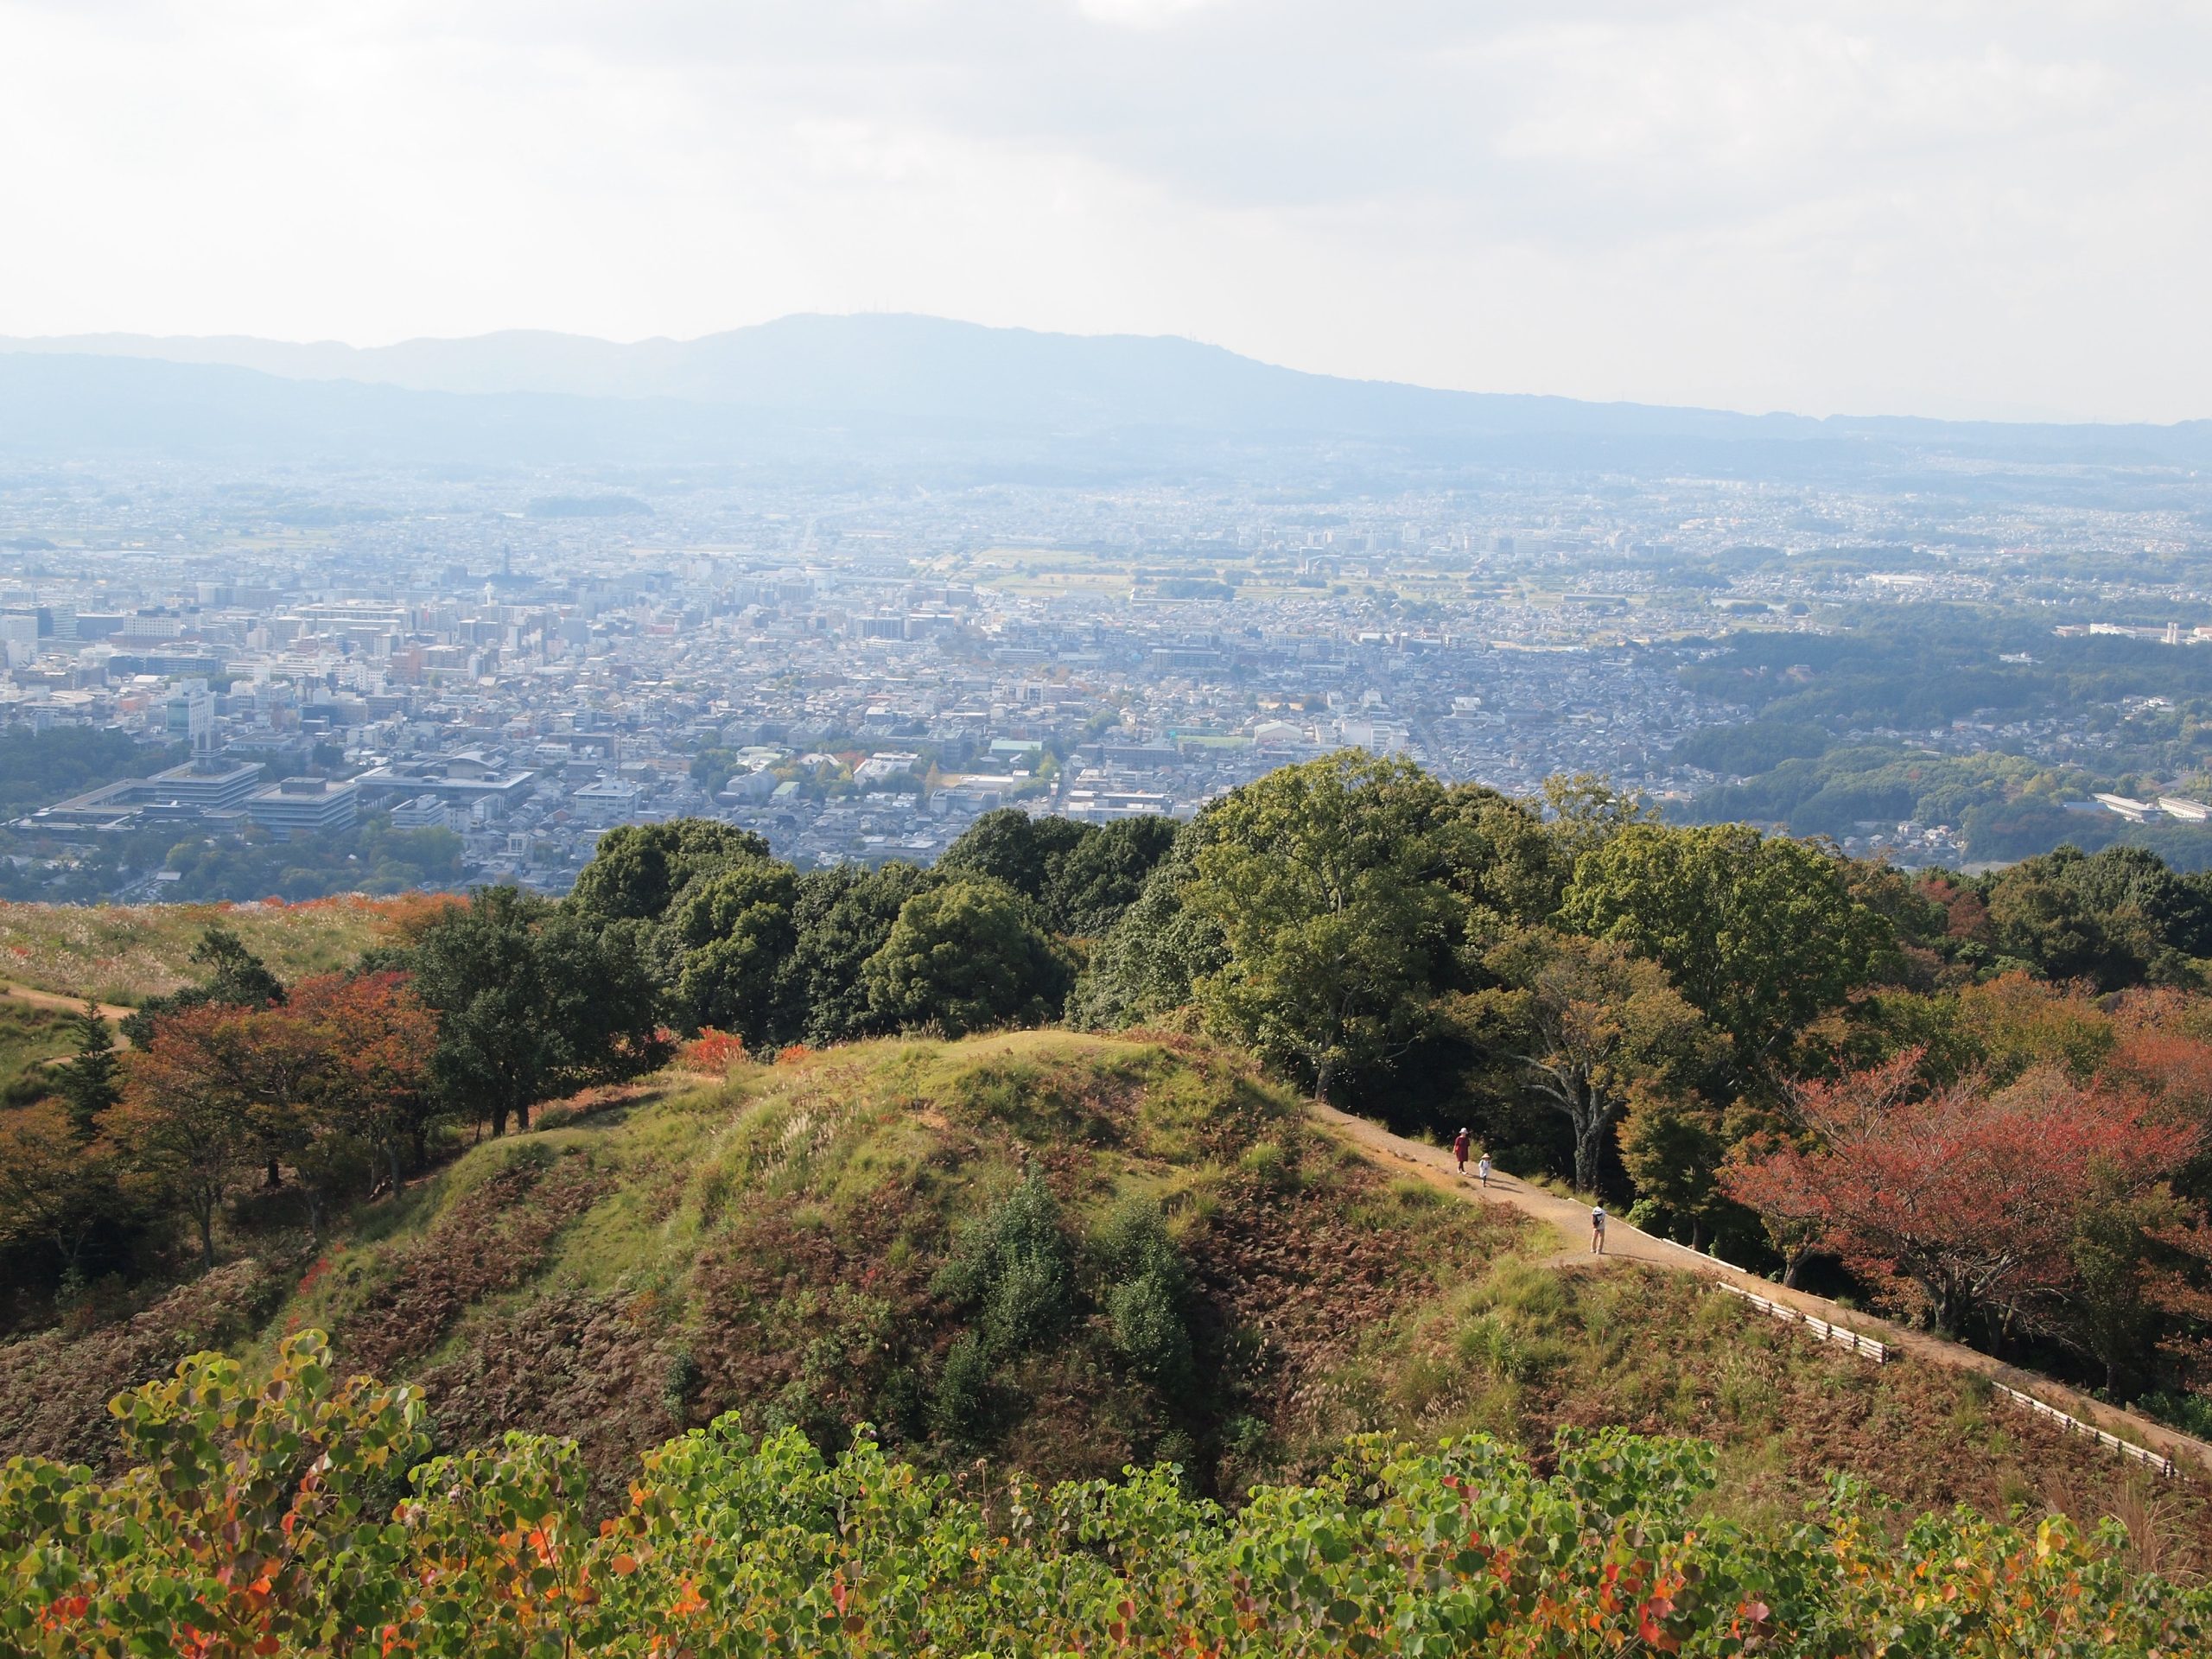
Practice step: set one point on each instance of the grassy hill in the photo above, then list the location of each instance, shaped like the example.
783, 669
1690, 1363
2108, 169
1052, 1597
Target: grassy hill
29, 1038
126, 953
1058, 1252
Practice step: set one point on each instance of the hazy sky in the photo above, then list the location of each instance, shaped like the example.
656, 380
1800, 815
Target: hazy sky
1985, 207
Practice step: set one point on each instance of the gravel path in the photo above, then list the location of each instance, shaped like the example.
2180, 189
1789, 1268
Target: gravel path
1570, 1224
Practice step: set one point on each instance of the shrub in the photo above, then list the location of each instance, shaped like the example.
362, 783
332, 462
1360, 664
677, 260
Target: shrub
1148, 1330
1018, 1267
261, 1521
1146, 1286
711, 1051
960, 1405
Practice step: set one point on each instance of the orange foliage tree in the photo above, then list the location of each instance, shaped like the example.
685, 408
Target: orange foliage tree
375, 1039
342, 1061
183, 1127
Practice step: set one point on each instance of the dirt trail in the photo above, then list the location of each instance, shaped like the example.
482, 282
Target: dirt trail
38, 998
23, 994
1570, 1220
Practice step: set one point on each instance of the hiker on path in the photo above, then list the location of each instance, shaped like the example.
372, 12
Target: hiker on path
1460, 1151
1482, 1172
1598, 1228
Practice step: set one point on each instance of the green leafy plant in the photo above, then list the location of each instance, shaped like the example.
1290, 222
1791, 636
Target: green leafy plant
262, 1520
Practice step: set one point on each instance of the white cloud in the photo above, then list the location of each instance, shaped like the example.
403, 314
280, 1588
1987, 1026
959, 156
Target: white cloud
1141, 14
1952, 206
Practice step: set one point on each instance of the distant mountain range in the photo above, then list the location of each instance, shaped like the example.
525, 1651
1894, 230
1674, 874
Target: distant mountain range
921, 391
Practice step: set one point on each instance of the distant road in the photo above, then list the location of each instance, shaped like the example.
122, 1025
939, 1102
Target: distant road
1571, 1221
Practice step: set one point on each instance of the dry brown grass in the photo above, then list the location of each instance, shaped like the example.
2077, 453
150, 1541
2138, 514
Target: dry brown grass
1523, 1354
125, 954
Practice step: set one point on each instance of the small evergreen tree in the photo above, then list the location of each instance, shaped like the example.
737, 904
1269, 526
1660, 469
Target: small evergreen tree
88, 1085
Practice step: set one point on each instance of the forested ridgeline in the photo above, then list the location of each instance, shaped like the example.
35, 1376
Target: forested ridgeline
1869, 724
1978, 1103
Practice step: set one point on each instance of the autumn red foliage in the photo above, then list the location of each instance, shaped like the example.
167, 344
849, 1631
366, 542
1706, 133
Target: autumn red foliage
1782, 1184
712, 1051
1959, 1200
2162, 1050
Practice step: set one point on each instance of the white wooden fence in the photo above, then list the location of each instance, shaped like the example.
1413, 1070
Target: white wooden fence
1866, 1347
2105, 1438
1879, 1353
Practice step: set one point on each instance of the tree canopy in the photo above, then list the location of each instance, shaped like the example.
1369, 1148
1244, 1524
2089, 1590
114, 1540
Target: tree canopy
1759, 932
966, 955
531, 1001
736, 931
637, 869
1589, 1028
1325, 883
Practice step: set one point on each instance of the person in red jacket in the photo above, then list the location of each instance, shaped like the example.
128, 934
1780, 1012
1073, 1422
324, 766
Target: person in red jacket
1460, 1151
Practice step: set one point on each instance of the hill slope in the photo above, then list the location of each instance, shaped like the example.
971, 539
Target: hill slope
1058, 1252
126, 953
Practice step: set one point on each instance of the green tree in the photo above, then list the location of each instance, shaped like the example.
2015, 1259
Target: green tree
235, 977
1098, 878
55, 1188
1587, 810
2115, 1308
1147, 962
1008, 846
1510, 864
2051, 927
1673, 1146
734, 932
1588, 1027
1326, 882
2115, 917
965, 955
531, 1001
1758, 932
89, 1083
637, 869
840, 918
